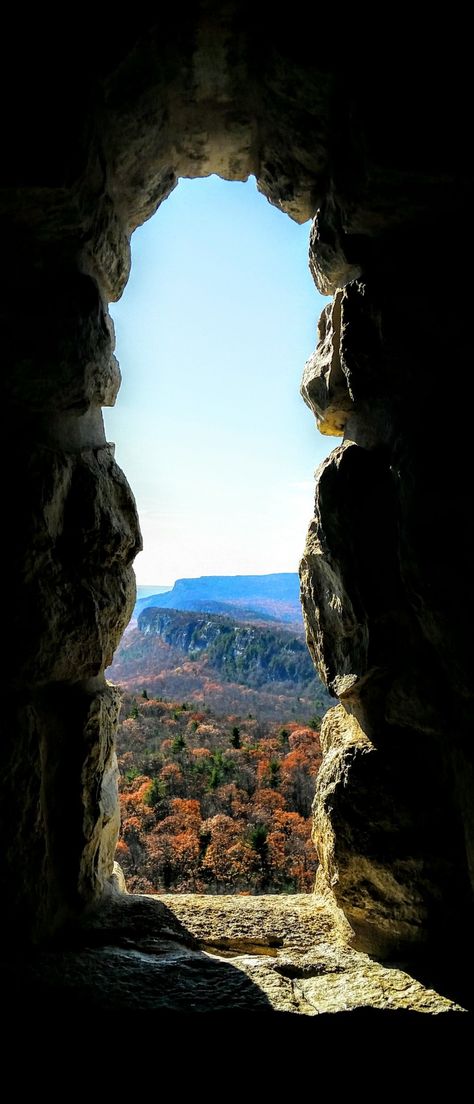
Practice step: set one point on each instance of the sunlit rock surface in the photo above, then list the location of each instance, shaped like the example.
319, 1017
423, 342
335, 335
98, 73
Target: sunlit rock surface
210, 954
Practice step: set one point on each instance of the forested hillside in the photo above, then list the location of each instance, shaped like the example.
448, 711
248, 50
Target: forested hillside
232, 666
214, 804
240, 652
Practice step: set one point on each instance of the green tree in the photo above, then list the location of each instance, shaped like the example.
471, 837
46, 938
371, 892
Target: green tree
131, 774
156, 792
179, 743
274, 773
214, 778
258, 840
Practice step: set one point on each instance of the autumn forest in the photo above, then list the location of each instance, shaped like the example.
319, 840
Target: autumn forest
214, 804
218, 740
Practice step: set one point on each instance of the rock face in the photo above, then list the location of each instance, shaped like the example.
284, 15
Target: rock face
215, 956
382, 842
243, 653
375, 592
378, 156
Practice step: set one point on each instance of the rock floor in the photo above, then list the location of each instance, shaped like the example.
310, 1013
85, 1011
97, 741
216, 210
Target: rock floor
194, 954
295, 957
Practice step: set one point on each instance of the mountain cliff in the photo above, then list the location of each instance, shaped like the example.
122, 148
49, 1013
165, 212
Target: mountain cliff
240, 652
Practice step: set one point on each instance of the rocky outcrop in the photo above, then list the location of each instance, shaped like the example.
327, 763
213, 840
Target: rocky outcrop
218, 957
381, 841
391, 824
331, 130
244, 653
332, 386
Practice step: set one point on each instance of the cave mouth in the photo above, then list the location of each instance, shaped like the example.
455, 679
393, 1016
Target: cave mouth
98, 148
217, 744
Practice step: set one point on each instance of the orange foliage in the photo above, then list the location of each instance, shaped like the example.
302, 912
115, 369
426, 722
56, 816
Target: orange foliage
187, 813
201, 814
122, 848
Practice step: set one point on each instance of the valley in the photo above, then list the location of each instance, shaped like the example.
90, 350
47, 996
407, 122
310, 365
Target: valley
218, 743
257, 663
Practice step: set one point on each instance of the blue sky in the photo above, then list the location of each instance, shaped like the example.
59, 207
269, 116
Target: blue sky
213, 330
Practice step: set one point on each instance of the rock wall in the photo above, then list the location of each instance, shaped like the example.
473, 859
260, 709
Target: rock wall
373, 146
392, 816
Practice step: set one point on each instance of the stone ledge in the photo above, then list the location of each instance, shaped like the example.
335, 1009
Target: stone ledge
196, 954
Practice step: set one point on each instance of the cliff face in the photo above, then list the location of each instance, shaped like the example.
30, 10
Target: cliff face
377, 602
245, 653
370, 143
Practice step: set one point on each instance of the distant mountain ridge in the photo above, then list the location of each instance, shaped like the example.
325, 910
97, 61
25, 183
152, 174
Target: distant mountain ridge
202, 605
274, 597
144, 591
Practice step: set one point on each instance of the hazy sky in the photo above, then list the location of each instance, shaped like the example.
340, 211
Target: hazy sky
213, 330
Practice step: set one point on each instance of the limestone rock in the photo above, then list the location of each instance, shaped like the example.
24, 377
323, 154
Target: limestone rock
205, 955
70, 818
348, 360
104, 128
324, 386
381, 799
67, 627
329, 265
117, 881
336, 576
382, 852
64, 358
381, 899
